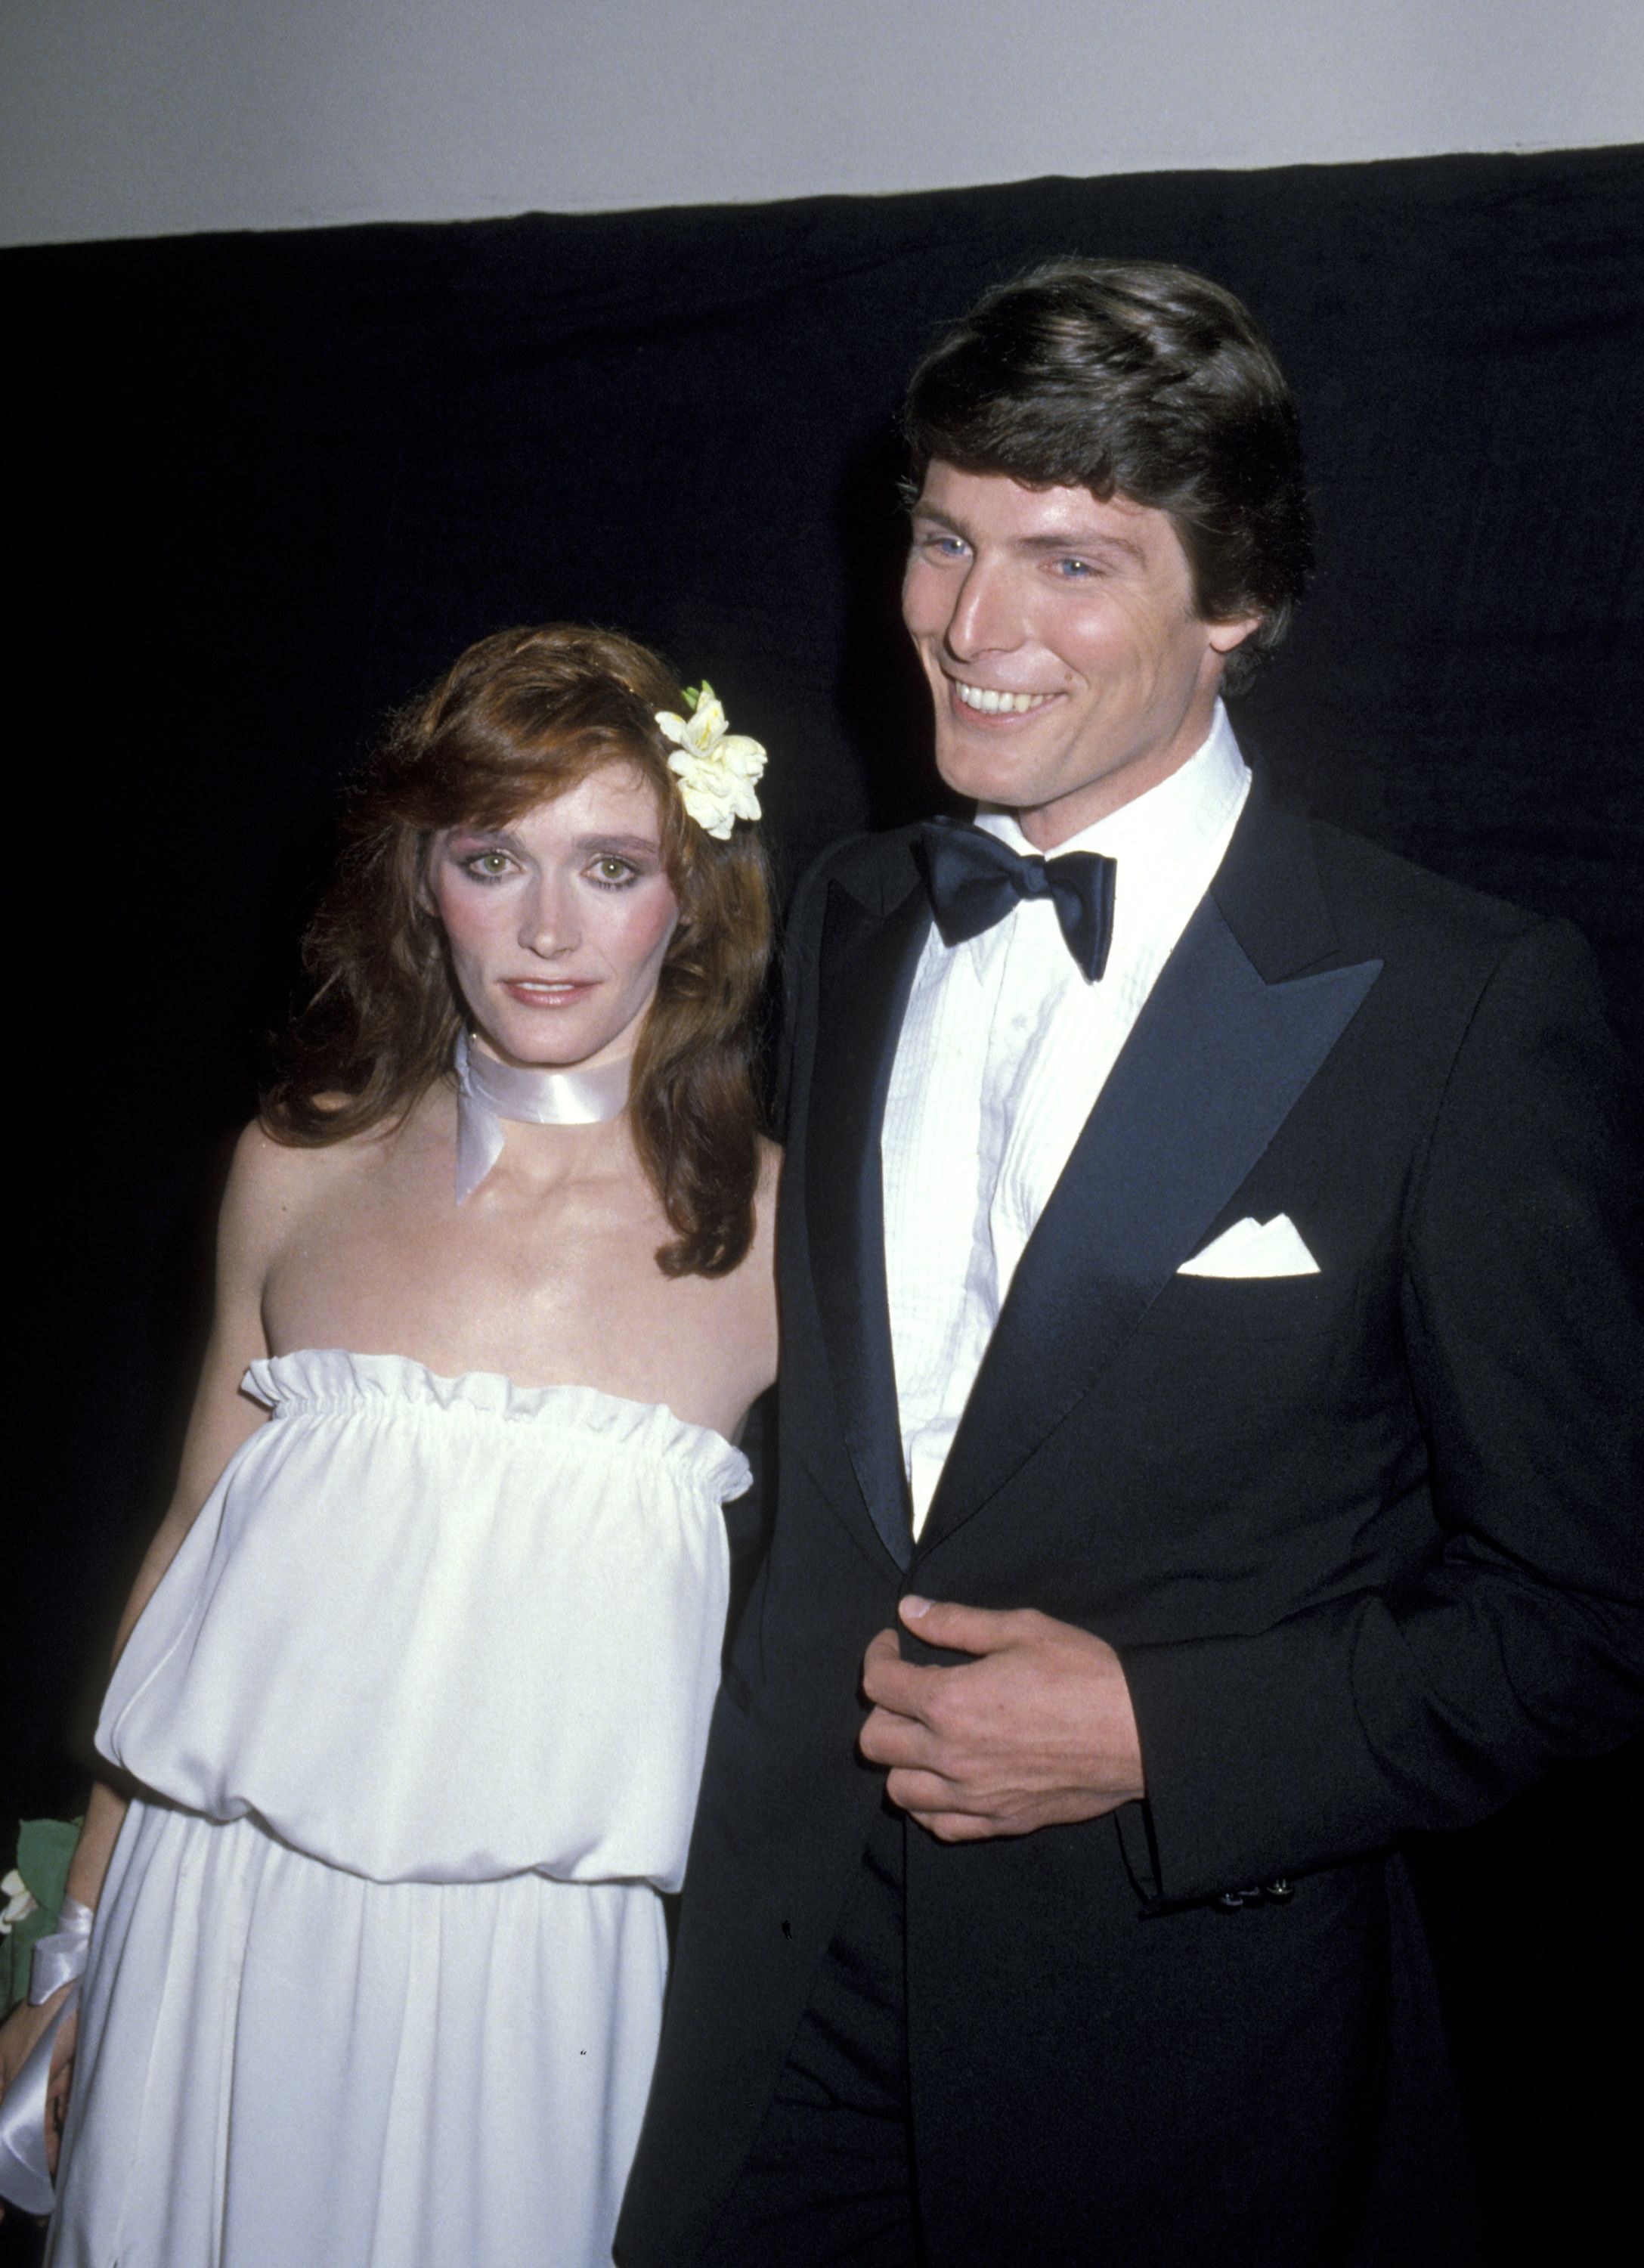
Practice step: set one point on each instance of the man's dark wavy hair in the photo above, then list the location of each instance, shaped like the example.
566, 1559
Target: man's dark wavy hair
1135, 379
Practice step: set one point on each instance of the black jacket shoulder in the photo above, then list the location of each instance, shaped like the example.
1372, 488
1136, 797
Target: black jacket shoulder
1370, 888
876, 868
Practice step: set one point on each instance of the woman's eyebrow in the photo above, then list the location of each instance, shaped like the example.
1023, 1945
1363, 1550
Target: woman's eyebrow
478, 833
646, 845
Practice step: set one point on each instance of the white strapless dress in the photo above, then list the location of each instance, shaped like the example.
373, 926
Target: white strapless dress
377, 1979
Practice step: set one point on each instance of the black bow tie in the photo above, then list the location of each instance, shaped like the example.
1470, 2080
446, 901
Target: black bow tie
974, 879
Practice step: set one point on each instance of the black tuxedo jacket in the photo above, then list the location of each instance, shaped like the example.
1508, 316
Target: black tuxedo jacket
1367, 1543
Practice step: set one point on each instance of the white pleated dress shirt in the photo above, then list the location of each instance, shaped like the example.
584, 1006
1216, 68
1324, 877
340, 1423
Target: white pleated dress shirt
1003, 1051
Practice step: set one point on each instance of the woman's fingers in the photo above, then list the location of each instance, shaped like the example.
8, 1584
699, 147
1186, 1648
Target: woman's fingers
57, 2089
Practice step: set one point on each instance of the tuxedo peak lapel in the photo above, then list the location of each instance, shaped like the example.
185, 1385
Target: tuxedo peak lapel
1217, 1061
867, 959
1268, 888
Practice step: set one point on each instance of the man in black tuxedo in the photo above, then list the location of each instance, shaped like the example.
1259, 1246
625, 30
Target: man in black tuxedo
1204, 1456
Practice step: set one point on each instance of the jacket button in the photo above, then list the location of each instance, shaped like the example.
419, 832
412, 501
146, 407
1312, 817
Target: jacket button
1276, 1893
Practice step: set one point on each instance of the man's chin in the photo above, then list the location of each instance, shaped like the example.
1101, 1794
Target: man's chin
990, 776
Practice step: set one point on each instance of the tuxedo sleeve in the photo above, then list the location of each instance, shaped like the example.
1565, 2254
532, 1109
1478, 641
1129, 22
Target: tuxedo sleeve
1521, 1641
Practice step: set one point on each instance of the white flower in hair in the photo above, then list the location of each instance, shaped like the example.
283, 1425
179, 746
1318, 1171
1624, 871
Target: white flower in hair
716, 767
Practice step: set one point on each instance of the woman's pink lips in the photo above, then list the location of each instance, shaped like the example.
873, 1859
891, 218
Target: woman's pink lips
543, 996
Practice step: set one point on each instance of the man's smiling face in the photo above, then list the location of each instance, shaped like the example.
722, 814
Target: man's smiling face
1070, 670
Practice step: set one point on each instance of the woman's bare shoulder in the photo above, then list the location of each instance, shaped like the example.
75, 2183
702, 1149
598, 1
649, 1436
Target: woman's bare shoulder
753, 1275
764, 1195
273, 1184
269, 1169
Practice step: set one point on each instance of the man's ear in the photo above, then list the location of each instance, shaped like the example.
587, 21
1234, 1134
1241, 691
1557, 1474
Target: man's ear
1224, 637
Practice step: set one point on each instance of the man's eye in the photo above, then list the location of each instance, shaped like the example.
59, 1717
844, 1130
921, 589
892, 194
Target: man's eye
1075, 571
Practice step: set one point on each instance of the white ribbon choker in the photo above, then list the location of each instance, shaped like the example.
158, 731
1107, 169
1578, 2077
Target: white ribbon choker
489, 1091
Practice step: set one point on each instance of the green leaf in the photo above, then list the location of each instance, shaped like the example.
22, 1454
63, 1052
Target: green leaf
44, 1848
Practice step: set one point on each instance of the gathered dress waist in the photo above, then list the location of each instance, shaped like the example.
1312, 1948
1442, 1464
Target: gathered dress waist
442, 1629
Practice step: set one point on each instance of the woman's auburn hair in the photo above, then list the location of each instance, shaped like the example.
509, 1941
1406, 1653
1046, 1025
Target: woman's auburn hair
518, 719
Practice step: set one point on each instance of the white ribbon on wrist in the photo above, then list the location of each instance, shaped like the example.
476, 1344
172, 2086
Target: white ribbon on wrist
59, 1960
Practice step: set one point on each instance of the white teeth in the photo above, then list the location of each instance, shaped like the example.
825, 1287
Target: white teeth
992, 704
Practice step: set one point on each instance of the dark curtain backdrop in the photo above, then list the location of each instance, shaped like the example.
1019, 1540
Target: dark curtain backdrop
270, 484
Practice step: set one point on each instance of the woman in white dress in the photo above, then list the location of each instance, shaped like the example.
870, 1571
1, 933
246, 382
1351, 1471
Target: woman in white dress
415, 1679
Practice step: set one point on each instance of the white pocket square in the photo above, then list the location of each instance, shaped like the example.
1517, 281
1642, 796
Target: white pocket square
1254, 1248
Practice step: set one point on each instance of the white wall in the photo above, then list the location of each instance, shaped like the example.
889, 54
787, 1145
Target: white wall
145, 117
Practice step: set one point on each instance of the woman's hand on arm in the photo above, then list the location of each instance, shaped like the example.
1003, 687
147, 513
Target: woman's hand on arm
19, 2037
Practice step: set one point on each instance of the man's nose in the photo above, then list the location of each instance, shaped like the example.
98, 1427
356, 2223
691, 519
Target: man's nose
986, 617
548, 924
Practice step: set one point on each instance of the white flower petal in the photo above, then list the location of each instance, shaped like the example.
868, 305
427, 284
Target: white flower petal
714, 767
745, 756
708, 813
20, 1902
